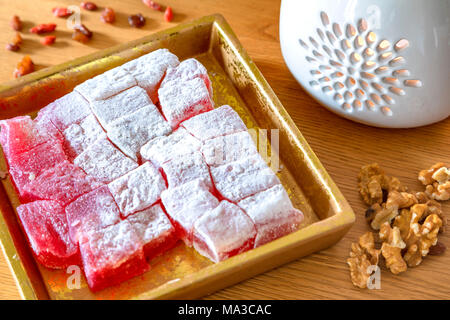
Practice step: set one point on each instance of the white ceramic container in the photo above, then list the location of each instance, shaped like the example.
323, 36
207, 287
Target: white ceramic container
383, 63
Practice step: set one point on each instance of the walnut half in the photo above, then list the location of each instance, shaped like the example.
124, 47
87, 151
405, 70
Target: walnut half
437, 181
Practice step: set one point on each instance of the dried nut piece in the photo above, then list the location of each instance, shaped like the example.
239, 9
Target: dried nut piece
24, 67
393, 257
400, 200
392, 236
437, 181
378, 214
362, 255
433, 207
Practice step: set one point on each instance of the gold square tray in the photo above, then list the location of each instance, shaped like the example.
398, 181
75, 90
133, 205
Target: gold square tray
181, 272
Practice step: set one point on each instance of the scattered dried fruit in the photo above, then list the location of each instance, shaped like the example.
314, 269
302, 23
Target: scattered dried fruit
136, 20
108, 15
43, 28
152, 4
168, 14
437, 181
81, 33
14, 45
48, 40
61, 12
16, 23
25, 66
89, 6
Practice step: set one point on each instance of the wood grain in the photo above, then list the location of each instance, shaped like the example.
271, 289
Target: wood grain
342, 146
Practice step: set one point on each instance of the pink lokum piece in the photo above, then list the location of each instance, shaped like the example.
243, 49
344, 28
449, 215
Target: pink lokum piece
187, 70
242, 178
223, 232
65, 111
112, 255
130, 132
229, 148
138, 189
148, 70
119, 105
224, 118
185, 168
106, 84
182, 100
164, 148
273, 214
46, 228
92, 211
79, 136
104, 162
185, 204
154, 230
63, 183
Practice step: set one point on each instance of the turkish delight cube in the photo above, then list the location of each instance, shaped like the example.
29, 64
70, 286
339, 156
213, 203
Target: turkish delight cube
46, 228
224, 118
273, 214
164, 148
182, 100
187, 70
185, 204
148, 70
130, 132
242, 178
154, 230
106, 84
138, 189
65, 111
112, 255
119, 105
64, 182
185, 168
29, 165
229, 148
223, 232
104, 162
79, 136
92, 211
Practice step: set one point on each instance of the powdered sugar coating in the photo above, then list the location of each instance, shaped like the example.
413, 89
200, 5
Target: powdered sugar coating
185, 168
65, 111
46, 227
106, 84
273, 214
148, 70
122, 104
223, 232
240, 179
92, 211
138, 189
229, 148
185, 204
225, 120
187, 70
78, 137
164, 148
130, 132
182, 100
63, 183
104, 162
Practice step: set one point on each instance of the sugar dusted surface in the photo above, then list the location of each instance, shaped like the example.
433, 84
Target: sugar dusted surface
78, 137
229, 148
164, 148
225, 120
273, 214
138, 189
243, 178
104, 162
130, 132
223, 232
124, 103
186, 167
106, 84
182, 100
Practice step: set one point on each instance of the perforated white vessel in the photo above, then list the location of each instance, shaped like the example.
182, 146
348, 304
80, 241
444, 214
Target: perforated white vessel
383, 63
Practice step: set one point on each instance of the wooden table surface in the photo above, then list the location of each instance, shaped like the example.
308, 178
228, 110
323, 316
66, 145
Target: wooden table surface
342, 146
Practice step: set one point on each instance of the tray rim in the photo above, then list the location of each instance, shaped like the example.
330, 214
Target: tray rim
342, 219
